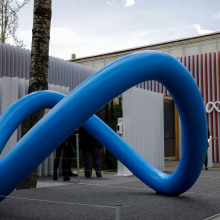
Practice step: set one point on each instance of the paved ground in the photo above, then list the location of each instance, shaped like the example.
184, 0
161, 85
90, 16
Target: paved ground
97, 199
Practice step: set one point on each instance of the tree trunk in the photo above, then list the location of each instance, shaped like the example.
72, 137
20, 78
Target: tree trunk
39, 68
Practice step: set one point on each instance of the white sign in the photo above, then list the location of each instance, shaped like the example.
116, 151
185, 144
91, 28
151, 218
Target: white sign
213, 105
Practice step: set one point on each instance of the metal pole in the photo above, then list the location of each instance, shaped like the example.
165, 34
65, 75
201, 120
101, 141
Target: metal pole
77, 155
118, 212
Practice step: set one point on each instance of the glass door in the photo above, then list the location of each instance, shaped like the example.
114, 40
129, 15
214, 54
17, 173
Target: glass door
171, 130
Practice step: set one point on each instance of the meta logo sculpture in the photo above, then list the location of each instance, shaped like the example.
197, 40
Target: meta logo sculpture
78, 109
210, 106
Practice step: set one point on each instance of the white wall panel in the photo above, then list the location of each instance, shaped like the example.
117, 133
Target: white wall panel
177, 51
208, 47
144, 125
9, 96
99, 64
192, 49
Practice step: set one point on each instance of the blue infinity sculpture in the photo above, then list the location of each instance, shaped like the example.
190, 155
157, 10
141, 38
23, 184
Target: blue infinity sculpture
78, 109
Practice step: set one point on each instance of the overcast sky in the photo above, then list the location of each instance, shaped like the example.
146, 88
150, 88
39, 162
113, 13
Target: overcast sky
90, 27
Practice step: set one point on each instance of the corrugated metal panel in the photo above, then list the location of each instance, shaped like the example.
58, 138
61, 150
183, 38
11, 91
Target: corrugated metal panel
15, 66
143, 124
15, 62
9, 96
205, 69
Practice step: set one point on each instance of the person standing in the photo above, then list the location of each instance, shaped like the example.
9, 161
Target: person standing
71, 146
67, 149
206, 157
91, 150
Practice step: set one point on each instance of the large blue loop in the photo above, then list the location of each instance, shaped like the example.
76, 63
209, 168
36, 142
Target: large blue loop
77, 108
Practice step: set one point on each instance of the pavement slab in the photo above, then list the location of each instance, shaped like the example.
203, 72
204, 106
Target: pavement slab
97, 198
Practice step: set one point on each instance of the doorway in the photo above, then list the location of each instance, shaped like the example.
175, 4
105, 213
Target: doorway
171, 130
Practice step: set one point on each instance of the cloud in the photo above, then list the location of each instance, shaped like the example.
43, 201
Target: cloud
122, 3
113, 3
26, 36
63, 36
217, 16
200, 30
129, 3
58, 36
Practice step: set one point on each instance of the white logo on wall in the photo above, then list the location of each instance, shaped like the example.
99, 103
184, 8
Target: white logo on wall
210, 106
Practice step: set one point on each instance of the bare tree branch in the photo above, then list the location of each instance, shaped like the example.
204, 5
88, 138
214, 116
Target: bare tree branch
9, 20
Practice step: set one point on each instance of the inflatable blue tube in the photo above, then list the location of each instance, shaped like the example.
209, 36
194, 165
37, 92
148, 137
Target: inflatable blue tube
77, 108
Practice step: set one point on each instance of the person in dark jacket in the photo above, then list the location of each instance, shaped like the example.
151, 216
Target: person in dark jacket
67, 149
91, 150
206, 158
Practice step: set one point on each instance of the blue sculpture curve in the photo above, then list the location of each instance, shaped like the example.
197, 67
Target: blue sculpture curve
77, 109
